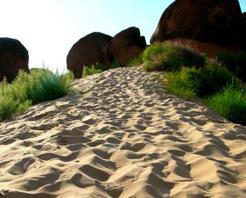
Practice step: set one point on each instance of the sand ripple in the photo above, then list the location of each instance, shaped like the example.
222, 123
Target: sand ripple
119, 134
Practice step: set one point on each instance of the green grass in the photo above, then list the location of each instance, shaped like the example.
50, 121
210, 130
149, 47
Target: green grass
170, 57
202, 82
234, 62
215, 85
136, 61
213, 78
230, 103
91, 70
182, 83
98, 68
33, 88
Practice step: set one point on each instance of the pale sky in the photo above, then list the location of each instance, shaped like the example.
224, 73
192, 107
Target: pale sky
49, 28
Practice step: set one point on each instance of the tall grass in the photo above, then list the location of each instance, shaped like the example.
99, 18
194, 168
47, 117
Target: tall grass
182, 83
202, 82
234, 62
33, 88
136, 61
90, 70
230, 103
170, 57
99, 67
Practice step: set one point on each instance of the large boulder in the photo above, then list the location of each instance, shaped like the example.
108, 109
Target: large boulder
212, 50
126, 45
216, 21
244, 30
13, 57
89, 50
103, 49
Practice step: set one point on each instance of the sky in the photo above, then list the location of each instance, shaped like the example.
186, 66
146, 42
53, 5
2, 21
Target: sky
49, 28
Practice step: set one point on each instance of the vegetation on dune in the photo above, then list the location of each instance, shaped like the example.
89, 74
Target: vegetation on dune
98, 68
32, 88
183, 83
168, 57
192, 75
89, 70
230, 103
236, 63
136, 61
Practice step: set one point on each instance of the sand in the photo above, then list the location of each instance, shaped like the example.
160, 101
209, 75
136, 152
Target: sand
119, 134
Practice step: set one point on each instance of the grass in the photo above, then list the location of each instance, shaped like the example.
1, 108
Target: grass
191, 75
234, 62
182, 83
215, 85
213, 78
33, 88
136, 61
230, 103
90, 70
202, 82
98, 68
169, 57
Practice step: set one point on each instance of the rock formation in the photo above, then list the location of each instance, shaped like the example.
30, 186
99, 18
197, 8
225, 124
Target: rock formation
87, 51
127, 45
216, 21
244, 30
101, 48
13, 57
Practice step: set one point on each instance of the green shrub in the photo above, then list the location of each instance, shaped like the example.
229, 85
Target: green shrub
230, 103
183, 83
189, 82
136, 61
99, 67
236, 63
28, 89
214, 78
90, 70
115, 64
169, 57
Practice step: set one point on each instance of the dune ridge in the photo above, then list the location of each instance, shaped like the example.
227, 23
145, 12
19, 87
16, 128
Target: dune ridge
119, 134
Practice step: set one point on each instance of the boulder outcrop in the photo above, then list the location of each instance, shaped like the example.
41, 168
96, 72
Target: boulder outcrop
13, 57
87, 51
126, 45
104, 49
215, 21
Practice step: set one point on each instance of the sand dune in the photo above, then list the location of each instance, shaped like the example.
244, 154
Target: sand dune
119, 134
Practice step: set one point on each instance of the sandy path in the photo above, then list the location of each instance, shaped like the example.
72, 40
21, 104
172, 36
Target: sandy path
120, 135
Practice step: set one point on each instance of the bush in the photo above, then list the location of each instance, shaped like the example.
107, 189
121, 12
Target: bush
28, 89
230, 103
236, 63
170, 57
214, 78
90, 70
189, 82
99, 67
136, 61
183, 83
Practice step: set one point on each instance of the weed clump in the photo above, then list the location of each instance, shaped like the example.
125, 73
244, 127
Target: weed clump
168, 57
32, 88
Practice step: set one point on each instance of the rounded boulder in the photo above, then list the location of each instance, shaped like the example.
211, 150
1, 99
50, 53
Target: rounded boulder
13, 57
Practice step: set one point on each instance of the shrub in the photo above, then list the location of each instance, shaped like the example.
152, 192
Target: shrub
170, 57
28, 89
236, 63
189, 82
99, 67
230, 103
214, 78
183, 83
90, 70
136, 61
